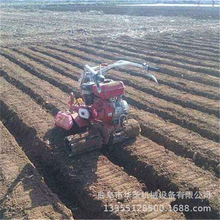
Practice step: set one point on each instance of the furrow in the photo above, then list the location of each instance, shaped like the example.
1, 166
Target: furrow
178, 54
166, 66
187, 39
203, 124
201, 159
45, 63
33, 86
160, 58
173, 112
181, 98
197, 43
180, 45
167, 173
183, 142
174, 72
52, 79
177, 83
22, 185
44, 142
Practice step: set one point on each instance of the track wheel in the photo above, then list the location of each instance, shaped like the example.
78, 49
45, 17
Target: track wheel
82, 143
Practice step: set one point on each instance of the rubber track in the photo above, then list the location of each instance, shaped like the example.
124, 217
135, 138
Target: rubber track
82, 159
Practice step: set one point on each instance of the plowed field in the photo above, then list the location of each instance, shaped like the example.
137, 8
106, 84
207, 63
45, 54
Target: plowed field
178, 150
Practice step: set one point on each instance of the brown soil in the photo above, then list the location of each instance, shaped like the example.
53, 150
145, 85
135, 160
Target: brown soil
178, 149
87, 175
23, 192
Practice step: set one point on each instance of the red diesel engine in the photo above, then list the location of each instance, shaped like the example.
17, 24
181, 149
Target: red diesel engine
106, 103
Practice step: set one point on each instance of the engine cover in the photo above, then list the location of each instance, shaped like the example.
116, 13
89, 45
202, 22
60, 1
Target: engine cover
109, 90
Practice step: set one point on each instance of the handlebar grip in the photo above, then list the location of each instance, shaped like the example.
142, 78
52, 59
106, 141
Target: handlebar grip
153, 68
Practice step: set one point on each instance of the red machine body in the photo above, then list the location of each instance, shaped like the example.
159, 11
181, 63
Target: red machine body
99, 117
101, 110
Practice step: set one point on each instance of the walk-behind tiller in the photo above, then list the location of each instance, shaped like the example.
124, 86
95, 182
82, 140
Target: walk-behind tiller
101, 112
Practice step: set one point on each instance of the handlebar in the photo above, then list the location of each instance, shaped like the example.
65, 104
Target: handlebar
97, 73
151, 68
